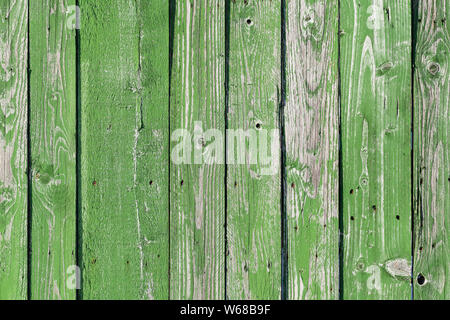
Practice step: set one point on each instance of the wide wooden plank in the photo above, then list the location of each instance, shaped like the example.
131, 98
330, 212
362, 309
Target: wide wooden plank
253, 151
13, 148
431, 150
312, 149
376, 153
197, 106
53, 149
124, 49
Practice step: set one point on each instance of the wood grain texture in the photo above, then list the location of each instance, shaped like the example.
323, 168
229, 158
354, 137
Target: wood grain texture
431, 151
13, 148
376, 139
254, 188
53, 148
124, 131
197, 200
312, 145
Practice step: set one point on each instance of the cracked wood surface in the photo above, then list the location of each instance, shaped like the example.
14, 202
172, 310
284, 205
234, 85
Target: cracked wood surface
53, 149
150, 228
124, 141
13, 148
431, 151
312, 145
253, 188
197, 103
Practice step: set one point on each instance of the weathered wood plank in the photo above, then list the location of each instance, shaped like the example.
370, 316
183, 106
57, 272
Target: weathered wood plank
431, 150
124, 127
312, 146
254, 185
53, 148
13, 148
376, 152
197, 211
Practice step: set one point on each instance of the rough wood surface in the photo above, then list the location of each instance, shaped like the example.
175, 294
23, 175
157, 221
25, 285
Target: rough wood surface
431, 150
201, 215
13, 148
53, 148
312, 145
124, 99
376, 148
197, 201
253, 188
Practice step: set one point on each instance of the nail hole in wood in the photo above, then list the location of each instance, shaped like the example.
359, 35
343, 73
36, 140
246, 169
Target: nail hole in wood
420, 279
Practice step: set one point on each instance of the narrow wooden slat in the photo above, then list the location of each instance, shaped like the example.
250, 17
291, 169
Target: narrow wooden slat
124, 138
312, 145
431, 151
53, 148
13, 148
197, 215
376, 152
254, 186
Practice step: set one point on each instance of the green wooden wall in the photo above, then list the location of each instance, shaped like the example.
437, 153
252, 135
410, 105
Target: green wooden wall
224, 149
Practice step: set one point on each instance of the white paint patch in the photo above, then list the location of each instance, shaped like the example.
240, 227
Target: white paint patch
374, 281
398, 268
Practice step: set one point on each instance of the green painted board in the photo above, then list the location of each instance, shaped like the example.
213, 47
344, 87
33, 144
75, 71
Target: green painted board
375, 57
124, 139
53, 149
431, 150
253, 151
13, 148
312, 149
197, 107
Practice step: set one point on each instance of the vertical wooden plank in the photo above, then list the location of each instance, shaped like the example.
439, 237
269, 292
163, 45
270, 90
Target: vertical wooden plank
197, 214
431, 151
376, 152
312, 146
124, 131
254, 185
13, 148
53, 148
